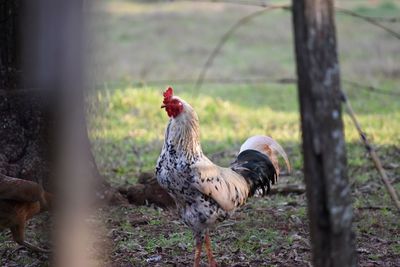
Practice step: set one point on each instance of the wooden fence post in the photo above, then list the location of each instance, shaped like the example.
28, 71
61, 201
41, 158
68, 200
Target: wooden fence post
325, 166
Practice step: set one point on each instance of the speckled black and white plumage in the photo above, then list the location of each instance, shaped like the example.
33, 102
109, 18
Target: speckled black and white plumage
176, 173
204, 192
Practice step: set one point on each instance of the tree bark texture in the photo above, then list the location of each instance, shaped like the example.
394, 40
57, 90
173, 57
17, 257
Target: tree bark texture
25, 136
9, 51
325, 167
24, 116
33, 56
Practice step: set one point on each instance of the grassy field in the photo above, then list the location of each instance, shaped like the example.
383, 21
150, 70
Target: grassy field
129, 134
141, 48
128, 126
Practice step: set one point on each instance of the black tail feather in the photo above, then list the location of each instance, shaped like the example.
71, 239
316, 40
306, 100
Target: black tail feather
257, 169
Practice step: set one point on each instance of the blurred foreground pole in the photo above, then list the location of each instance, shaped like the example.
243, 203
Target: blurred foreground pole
325, 167
53, 44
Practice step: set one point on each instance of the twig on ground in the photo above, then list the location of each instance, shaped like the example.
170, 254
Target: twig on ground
287, 189
372, 153
373, 208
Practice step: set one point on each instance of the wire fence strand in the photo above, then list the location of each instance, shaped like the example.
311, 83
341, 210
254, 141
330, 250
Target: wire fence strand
371, 151
226, 37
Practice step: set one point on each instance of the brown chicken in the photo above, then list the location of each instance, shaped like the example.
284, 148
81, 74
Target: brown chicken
20, 200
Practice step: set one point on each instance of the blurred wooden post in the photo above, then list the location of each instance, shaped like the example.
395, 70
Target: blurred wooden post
54, 59
325, 166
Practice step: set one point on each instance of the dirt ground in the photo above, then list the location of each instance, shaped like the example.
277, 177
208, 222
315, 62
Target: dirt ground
268, 231
260, 234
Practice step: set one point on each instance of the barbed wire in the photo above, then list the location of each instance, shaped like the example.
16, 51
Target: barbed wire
251, 81
374, 157
371, 151
268, 7
376, 21
226, 37
371, 20
384, 19
234, 2
371, 88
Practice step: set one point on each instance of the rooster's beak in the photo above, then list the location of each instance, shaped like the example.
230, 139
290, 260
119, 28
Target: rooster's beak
163, 106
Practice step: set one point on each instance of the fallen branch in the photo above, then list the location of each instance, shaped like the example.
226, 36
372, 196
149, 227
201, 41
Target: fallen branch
373, 208
287, 189
148, 191
372, 153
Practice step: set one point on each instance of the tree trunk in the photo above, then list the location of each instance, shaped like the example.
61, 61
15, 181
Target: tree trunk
23, 113
30, 95
328, 191
9, 51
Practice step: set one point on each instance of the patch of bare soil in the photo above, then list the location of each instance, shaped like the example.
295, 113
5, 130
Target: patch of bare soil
268, 231
271, 231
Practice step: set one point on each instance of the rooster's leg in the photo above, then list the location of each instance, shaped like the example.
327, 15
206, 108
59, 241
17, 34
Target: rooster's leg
210, 256
197, 253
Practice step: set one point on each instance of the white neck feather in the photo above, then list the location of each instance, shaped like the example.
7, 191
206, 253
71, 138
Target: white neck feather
184, 132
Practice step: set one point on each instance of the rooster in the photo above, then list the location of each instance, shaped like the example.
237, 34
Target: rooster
20, 200
204, 192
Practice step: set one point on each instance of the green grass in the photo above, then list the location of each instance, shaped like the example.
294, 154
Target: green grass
385, 8
143, 43
128, 126
139, 44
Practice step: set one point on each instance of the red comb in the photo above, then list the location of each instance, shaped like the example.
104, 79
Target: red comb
168, 94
